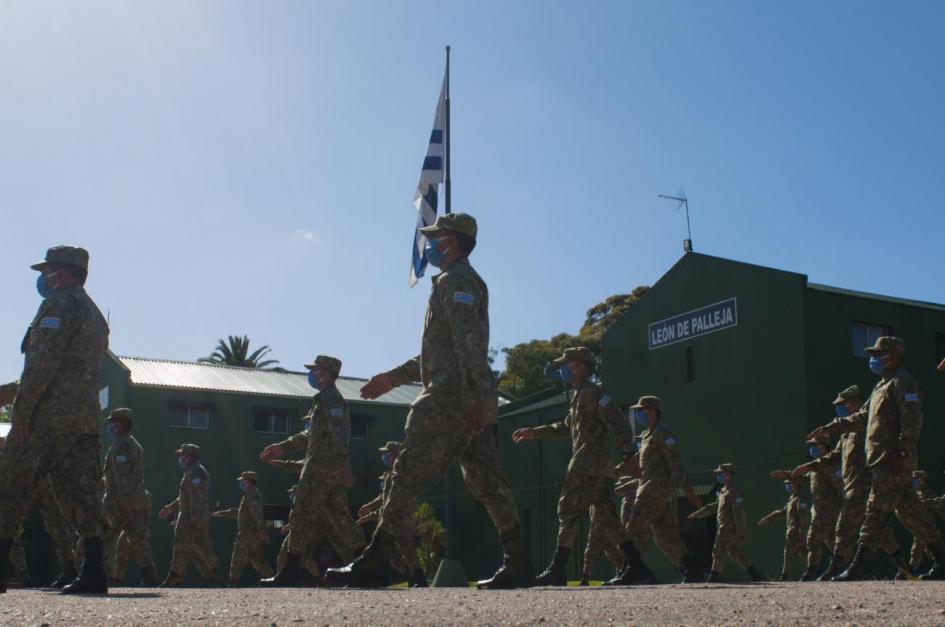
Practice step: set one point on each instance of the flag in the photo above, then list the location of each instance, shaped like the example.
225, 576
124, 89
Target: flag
428, 189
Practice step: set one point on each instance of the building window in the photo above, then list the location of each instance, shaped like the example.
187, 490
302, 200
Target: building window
190, 415
103, 399
865, 335
690, 364
359, 427
270, 421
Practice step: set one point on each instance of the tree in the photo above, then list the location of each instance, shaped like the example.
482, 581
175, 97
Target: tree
432, 538
235, 352
525, 363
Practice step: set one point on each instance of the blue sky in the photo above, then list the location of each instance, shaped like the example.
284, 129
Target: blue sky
246, 167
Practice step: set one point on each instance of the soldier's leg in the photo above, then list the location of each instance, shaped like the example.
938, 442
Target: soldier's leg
306, 518
59, 531
77, 478
815, 540
22, 469
917, 554
915, 517
665, 530
181, 553
138, 534
737, 553
594, 547
719, 550
788, 558
849, 522
578, 493
345, 536
238, 560
18, 559
257, 557
205, 558
483, 474
123, 552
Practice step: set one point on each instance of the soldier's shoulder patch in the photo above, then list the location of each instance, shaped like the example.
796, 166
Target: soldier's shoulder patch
337, 412
739, 499
802, 505
912, 397
670, 441
604, 401
49, 323
196, 481
838, 472
464, 297
121, 458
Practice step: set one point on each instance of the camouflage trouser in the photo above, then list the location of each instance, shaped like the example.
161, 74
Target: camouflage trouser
578, 495
894, 494
248, 551
57, 527
728, 546
820, 534
132, 527
72, 463
917, 554
852, 512
192, 544
601, 539
793, 546
17, 559
654, 517
308, 562
321, 510
434, 439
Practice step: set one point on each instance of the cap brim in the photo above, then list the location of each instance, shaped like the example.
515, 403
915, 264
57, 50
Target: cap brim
39, 266
429, 230
839, 400
560, 360
638, 406
877, 351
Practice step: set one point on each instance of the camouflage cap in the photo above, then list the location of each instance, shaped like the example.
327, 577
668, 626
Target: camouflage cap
920, 474
188, 449
120, 414
727, 467
455, 222
575, 353
849, 393
645, 402
823, 440
70, 255
332, 364
392, 447
248, 475
886, 345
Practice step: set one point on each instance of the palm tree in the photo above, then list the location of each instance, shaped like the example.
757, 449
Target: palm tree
235, 352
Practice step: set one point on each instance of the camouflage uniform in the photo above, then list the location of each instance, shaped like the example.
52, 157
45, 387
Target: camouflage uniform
926, 495
590, 473
601, 539
127, 503
826, 491
58, 400
249, 547
58, 528
797, 515
308, 562
321, 499
404, 558
192, 529
892, 421
731, 531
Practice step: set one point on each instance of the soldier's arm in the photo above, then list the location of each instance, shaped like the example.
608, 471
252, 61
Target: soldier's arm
618, 426
55, 328
289, 465
677, 467
232, 512
853, 423
554, 431
705, 511
462, 298
258, 516
297, 442
835, 456
407, 372
776, 514
738, 513
908, 400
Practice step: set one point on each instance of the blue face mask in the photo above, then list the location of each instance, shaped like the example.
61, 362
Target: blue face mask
243, 485
387, 459
788, 488
306, 425
565, 373
720, 477
434, 256
916, 483
182, 462
292, 498
315, 382
42, 286
841, 411
640, 416
814, 451
877, 365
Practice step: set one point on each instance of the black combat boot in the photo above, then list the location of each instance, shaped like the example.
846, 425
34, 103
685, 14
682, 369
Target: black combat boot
937, 572
68, 576
834, 568
5, 546
92, 579
635, 572
516, 570
902, 564
289, 577
856, 571
371, 569
692, 571
555, 574
585, 581
755, 574
148, 577
419, 579
714, 577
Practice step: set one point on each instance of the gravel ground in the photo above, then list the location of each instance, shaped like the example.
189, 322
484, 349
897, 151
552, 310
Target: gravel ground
872, 603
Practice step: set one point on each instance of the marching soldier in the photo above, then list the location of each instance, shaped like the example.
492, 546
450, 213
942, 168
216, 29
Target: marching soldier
55, 416
307, 562
454, 419
826, 493
892, 422
925, 494
192, 528
731, 531
251, 537
127, 503
600, 541
662, 471
588, 482
321, 497
797, 518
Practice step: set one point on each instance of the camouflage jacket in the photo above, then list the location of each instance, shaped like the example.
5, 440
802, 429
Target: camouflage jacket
326, 440
591, 416
797, 513
124, 472
661, 465
826, 488
63, 351
850, 453
193, 501
249, 515
453, 363
293, 466
892, 420
729, 513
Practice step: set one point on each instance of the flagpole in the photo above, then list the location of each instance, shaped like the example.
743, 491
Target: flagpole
446, 185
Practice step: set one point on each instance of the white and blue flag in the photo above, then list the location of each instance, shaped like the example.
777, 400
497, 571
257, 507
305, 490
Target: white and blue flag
428, 189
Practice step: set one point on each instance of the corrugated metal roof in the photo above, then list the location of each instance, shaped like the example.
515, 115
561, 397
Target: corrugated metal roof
188, 375
889, 299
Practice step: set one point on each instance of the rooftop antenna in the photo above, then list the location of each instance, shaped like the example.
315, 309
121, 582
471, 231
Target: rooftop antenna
680, 198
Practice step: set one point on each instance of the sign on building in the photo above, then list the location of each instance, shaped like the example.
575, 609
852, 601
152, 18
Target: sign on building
686, 326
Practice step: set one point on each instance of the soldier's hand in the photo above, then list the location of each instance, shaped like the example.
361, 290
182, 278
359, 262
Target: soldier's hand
800, 470
271, 452
363, 520
691, 516
19, 432
779, 474
345, 476
217, 514
365, 509
525, 433
820, 432
165, 511
284, 530
379, 385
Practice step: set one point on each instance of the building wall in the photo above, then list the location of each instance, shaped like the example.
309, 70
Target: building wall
746, 403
